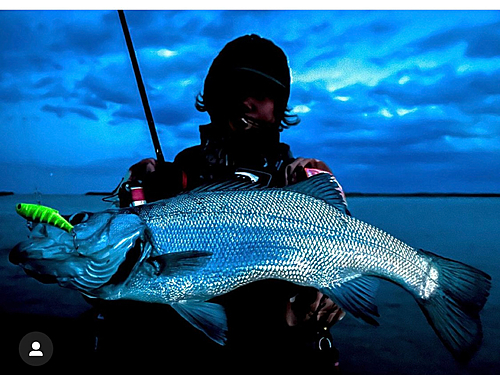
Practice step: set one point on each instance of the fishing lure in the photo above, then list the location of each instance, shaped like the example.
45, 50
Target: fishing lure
42, 214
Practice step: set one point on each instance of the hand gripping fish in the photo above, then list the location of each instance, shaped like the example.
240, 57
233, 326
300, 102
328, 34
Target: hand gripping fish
185, 250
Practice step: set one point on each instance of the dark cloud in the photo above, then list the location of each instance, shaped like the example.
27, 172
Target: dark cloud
59, 111
57, 90
484, 44
368, 31
84, 112
491, 106
482, 41
24, 62
365, 32
327, 56
100, 37
12, 94
18, 29
113, 84
43, 82
165, 112
47, 87
124, 114
221, 28
93, 100
164, 29
62, 111
24, 39
175, 115
463, 89
383, 27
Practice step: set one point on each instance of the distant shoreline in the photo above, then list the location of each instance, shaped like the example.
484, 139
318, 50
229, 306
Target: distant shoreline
426, 195
349, 195
395, 195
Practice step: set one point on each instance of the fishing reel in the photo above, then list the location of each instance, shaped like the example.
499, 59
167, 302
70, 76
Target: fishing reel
131, 194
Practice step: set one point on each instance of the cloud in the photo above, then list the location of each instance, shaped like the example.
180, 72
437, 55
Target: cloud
23, 41
148, 28
12, 94
463, 90
44, 82
166, 111
61, 111
482, 41
88, 33
108, 85
91, 99
479, 41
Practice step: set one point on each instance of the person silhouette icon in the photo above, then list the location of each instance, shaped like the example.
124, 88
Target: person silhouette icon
35, 345
36, 348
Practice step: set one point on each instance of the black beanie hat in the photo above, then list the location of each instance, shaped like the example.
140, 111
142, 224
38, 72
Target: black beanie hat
251, 55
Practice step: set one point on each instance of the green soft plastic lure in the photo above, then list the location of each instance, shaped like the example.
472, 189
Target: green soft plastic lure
42, 214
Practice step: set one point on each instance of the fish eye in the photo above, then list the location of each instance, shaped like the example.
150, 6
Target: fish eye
79, 218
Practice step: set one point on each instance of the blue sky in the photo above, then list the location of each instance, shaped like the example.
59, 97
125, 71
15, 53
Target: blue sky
392, 101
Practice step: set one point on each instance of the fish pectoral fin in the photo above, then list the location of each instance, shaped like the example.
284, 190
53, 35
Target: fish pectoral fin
179, 263
357, 296
208, 317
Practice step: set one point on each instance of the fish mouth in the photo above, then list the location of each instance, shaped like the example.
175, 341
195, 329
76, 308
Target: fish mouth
101, 251
18, 256
40, 255
15, 257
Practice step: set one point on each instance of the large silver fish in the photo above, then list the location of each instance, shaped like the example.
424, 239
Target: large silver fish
185, 250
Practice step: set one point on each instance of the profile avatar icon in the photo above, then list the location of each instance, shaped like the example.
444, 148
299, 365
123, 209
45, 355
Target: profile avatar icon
36, 352
36, 348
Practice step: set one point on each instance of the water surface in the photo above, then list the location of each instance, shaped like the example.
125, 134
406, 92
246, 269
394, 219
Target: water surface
465, 229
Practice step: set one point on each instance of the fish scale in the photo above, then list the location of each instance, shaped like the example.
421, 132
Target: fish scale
232, 225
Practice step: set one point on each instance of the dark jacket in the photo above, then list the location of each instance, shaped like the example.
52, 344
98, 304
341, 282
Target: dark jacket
216, 159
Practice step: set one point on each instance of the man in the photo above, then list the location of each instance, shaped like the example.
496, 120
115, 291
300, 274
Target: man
245, 94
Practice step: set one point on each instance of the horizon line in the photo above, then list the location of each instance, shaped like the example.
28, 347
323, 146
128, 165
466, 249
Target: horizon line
348, 194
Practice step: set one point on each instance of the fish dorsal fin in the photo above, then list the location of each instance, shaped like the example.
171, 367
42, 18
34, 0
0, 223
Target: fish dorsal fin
230, 185
323, 186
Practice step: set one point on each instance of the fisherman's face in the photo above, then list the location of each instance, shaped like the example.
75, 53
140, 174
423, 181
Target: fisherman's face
253, 105
254, 112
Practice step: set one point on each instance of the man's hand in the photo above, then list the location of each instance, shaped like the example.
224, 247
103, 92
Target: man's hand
139, 170
295, 171
322, 309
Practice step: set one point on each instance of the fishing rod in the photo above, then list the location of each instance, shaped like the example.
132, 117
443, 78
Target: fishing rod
142, 89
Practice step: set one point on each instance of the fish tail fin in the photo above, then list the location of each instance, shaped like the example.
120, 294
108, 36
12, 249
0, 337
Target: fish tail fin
453, 308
